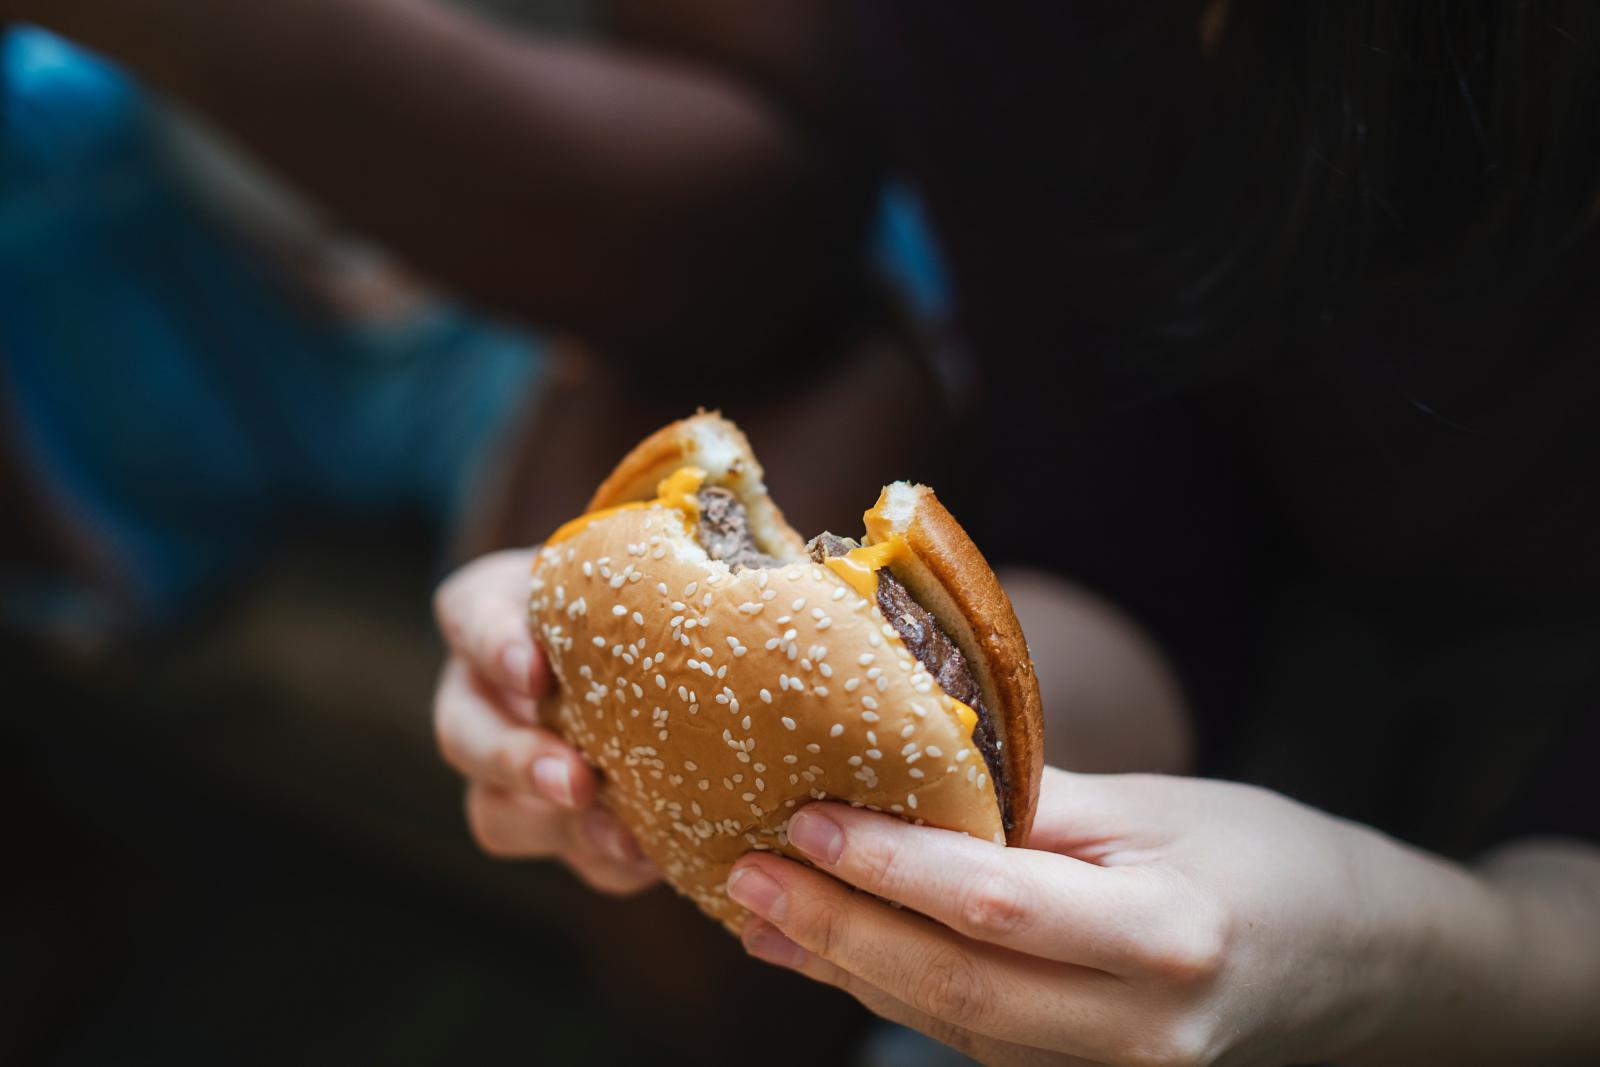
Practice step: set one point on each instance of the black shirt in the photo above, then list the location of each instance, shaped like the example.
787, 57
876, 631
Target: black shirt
1375, 563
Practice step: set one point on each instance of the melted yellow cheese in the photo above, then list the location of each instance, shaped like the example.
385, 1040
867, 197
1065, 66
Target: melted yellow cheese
677, 490
967, 717
860, 566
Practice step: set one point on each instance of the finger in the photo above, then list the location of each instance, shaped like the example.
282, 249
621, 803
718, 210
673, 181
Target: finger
1039, 903
482, 610
477, 740
970, 985
1104, 818
767, 942
517, 826
612, 876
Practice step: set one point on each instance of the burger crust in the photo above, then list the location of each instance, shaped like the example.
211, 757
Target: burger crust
712, 443
716, 703
947, 574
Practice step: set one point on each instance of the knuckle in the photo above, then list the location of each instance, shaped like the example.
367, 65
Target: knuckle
993, 909
1178, 1043
483, 825
877, 860
512, 758
949, 988
450, 745
826, 925
1198, 949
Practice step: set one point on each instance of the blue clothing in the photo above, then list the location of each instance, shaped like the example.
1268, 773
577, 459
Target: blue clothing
177, 403
175, 400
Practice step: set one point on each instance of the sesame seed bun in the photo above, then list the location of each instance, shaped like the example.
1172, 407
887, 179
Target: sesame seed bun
716, 703
947, 574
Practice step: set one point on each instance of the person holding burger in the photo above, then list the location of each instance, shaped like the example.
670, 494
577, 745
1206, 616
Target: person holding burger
1281, 319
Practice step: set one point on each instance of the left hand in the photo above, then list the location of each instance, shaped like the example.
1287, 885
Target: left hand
1151, 920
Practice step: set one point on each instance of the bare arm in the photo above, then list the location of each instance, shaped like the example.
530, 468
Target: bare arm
630, 197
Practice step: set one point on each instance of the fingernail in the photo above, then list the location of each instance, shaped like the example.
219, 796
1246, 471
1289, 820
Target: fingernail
517, 661
611, 838
554, 779
818, 836
766, 942
758, 892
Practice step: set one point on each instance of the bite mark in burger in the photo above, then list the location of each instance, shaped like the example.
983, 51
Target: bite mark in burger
720, 671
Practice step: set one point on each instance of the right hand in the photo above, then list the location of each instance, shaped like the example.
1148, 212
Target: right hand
529, 794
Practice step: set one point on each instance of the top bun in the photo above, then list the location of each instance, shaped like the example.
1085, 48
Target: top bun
716, 702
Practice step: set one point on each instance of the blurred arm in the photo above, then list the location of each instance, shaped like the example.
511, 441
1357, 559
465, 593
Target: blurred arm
1111, 702
625, 196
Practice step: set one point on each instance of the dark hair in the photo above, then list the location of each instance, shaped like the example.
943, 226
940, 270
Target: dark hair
1342, 153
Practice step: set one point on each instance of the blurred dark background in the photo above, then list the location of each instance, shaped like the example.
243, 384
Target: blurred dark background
1287, 443
232, 838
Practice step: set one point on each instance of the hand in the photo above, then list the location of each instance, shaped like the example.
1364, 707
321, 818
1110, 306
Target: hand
1151, 921
529, 794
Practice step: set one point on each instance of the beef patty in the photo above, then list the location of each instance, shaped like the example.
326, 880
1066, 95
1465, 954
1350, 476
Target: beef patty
939, 656
724, 532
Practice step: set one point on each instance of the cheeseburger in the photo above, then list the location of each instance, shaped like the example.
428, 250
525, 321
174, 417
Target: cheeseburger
721, 671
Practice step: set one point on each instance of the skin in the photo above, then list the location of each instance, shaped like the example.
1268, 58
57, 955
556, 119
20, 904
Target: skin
1152, 920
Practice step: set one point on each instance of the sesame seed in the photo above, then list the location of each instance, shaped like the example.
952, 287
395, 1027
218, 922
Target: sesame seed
855, 761
865, 658
799, 602
869, 716
836, 730
934, 751
788, 723
851, 685
873, 753
869, 701
599, 642
908, 730
911, 801
813, 748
